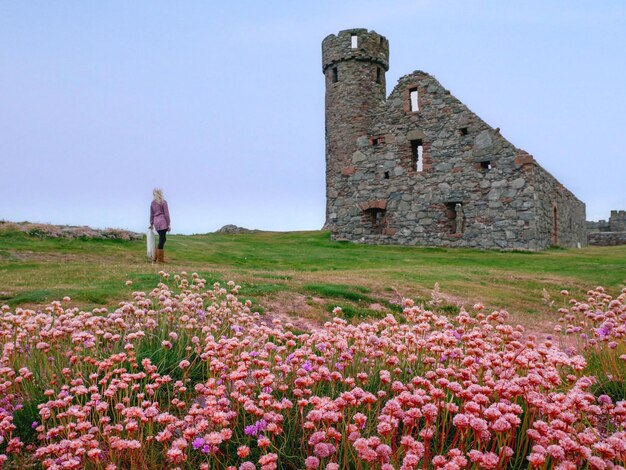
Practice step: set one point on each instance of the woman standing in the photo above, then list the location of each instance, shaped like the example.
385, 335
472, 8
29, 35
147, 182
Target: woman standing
160, 221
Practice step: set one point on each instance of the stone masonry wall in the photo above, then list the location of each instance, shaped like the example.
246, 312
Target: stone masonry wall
474, 188
607, 238
560, 215
599, 226
497, 205
616, 223
355, 84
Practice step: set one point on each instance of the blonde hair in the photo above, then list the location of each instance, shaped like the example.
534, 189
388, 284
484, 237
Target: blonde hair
158, 194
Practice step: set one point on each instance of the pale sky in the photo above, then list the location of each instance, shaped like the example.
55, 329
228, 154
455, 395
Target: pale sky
222, 103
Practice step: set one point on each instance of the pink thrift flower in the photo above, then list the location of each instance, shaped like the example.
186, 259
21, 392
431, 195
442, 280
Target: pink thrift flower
243, 451
311, 462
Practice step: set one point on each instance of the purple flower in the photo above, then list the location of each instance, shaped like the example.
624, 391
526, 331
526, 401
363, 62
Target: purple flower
197, 443
307, 366
604, 331
35, 424
206, 449
321, 346
254, 354
256, 428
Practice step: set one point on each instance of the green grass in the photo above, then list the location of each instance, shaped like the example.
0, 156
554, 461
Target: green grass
352, 312
342, 291
285, 266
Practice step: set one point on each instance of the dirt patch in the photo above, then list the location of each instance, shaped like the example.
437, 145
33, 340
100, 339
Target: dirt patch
293, 308
377, 307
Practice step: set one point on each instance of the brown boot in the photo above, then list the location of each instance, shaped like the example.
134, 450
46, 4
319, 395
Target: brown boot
160, 256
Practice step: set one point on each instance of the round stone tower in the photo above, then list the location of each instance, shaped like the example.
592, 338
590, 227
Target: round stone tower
354, 63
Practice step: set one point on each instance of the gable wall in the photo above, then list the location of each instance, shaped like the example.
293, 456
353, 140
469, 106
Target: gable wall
498, 204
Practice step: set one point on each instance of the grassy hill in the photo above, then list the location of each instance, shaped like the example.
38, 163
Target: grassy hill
305, 273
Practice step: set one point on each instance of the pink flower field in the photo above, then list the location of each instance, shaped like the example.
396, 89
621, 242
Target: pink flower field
190, 377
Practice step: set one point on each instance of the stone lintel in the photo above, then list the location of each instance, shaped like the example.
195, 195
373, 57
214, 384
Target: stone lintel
374, 204
415, 135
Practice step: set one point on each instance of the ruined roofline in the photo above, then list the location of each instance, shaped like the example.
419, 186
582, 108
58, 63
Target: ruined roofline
415, 73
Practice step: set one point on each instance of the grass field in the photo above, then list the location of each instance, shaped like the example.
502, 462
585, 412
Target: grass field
190, 377
305, 273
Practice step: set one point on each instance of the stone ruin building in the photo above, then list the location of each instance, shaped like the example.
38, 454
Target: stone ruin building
609, 233
419, 168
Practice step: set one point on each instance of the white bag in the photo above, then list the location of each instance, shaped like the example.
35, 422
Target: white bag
150, 243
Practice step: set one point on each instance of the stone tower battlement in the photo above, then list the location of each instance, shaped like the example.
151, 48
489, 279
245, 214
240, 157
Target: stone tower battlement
355, 44
617, 222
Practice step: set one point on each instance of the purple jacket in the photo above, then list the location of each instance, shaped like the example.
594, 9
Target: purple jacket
159, 215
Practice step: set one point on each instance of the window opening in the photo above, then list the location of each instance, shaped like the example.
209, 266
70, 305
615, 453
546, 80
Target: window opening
354, 41
417, 148
486, 165
455, 216
555, 227
375, 141
376, 217
414, 99
335, 75
463, 130
378, 75
386, 175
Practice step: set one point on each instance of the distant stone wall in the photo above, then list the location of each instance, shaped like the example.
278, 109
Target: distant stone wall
599, 226
616, 223
607, 238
